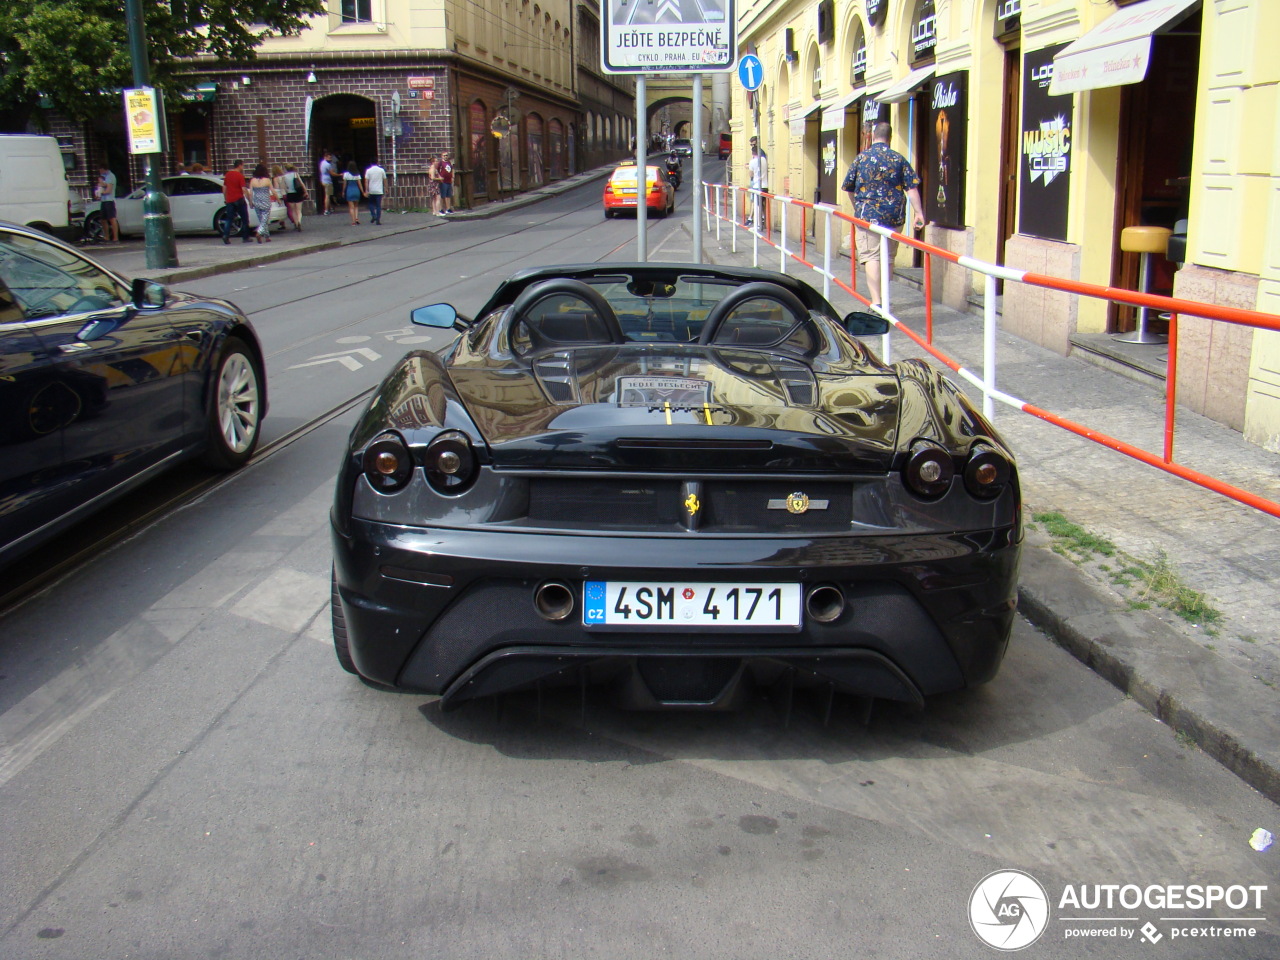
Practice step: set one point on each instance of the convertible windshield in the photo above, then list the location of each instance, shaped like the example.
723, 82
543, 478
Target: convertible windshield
666, 310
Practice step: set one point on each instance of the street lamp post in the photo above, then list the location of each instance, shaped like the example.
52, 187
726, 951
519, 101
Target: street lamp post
157, 224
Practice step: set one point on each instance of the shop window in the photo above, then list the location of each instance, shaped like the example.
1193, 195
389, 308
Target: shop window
924, 32
858, 69
555, 148
533, 147
480, 137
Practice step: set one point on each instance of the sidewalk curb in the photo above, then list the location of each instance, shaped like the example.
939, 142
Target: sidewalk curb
1182, 684
497, 208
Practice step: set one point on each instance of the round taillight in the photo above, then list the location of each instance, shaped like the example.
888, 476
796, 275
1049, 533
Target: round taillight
450, 462
387, 463
987, 472
929, 470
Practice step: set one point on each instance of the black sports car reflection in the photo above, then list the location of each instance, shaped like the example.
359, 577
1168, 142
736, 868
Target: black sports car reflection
682, 480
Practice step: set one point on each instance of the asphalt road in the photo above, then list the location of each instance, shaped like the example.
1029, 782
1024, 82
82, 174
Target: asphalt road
186, 772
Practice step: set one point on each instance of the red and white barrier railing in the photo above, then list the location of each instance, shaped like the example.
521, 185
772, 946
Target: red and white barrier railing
753, 211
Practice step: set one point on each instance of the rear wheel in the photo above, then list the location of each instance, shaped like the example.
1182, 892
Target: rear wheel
219, 218
94, 230
234, 412
340, 645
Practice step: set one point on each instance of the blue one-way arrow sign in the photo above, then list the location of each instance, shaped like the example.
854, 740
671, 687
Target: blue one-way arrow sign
750, 72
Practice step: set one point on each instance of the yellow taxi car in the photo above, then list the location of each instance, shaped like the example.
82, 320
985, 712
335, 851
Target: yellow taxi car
620, 191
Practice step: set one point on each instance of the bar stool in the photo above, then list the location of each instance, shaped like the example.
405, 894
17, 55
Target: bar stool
1144, 241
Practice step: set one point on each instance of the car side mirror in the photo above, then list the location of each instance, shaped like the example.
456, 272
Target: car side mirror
442, 316
866, 324
148, 294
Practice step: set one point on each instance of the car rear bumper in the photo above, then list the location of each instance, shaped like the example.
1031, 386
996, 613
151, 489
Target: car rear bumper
655, 201
452, 612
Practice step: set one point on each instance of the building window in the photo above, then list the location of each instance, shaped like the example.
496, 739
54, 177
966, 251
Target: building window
357, 11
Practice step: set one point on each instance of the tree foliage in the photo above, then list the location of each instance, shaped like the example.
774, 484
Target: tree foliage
75, 53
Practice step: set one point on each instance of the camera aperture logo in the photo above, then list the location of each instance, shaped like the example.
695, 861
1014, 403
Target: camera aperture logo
1009, 910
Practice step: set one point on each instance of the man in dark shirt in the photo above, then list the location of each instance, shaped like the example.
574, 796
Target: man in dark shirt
880, 181
445, 168
233, 194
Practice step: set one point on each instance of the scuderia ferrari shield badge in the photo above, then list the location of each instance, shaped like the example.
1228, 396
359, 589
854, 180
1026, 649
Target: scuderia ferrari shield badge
797, 503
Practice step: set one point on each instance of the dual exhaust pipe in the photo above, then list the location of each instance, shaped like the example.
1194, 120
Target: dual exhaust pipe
554, 602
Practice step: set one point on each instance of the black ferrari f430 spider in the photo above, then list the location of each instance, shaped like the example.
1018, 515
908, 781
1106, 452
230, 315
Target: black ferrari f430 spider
681, 481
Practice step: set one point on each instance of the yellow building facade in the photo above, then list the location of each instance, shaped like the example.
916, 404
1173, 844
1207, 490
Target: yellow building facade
1041, 129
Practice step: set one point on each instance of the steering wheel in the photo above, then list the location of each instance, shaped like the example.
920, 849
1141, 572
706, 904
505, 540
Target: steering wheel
757, 290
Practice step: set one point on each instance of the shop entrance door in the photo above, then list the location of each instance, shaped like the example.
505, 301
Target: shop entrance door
1157, 124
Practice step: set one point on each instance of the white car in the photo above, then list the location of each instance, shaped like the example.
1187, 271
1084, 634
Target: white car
195, 206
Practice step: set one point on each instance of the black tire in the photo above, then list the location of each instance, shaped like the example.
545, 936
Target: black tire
234, 411
340, 645
608, 214
94, 229
236, 223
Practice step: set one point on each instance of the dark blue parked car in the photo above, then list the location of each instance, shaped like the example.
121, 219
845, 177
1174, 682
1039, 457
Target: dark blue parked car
104, 382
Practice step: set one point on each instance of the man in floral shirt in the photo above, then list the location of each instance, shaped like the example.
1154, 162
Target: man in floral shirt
880, 182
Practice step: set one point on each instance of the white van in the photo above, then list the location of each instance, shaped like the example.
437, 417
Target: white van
33, 183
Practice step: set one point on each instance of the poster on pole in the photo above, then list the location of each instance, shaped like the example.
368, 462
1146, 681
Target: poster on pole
142, 120
668, 36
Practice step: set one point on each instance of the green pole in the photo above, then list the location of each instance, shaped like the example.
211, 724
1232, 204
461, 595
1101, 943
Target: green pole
157, 223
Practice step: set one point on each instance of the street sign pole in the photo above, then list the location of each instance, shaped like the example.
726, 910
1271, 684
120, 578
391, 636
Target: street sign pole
157, 225
751, 73
395, 136
642, 173
696, 139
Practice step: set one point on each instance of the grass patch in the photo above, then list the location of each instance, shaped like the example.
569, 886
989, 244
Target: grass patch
1074, 537
1164, 586
1148, 583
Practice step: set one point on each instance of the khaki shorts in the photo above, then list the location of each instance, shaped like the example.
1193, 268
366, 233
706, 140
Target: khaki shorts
868, 244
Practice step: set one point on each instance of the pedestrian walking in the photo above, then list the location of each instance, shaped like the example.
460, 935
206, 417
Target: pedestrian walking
353, 190
375, 179
233, 194
880, 181
295, 192
105, 191
433, 182
262, 193
445, 168
324, 177
758, 180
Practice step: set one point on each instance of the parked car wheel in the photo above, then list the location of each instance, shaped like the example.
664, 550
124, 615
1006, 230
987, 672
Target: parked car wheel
340, 646
95, 230
237, 224
235, 411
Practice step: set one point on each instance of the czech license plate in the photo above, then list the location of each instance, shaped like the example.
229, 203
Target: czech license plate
612, 603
